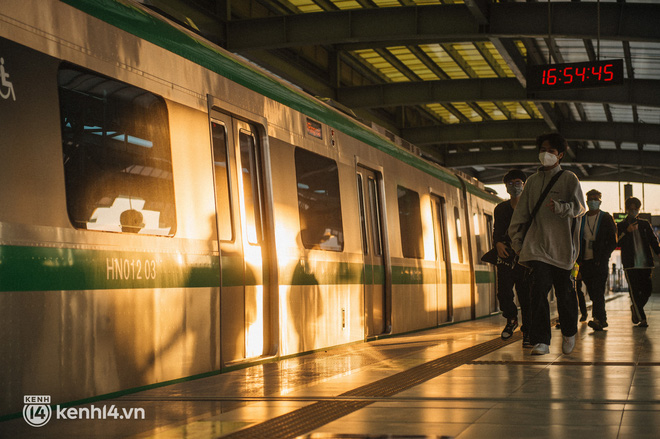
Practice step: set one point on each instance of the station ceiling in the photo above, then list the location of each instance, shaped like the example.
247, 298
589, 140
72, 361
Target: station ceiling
449, 76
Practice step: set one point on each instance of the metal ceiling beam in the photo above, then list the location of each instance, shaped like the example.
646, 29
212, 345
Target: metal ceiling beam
633, 159
475, 132
427, 92
445, 23
636, 92
493, 175
352, 26
618, 21
528, 130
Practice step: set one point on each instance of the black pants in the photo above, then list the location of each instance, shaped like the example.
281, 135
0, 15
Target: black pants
544, 276
641, 287
594, 276
507, 278
580, 296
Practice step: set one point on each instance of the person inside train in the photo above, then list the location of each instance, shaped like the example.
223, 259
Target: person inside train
544, 232
598, 241
511, 273
637, 242
131, 220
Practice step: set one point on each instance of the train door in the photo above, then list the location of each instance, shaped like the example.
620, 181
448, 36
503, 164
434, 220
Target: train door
443, 260
376, 311
494, 305
239, 184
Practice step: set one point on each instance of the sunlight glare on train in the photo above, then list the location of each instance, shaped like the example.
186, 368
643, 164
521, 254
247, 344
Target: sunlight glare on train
255, 331
427, 229
107, 218
475, 223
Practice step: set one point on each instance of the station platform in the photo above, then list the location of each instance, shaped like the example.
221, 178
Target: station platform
459, 381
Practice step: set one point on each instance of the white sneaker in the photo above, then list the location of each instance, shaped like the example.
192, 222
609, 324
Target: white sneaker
540, 349
568, 344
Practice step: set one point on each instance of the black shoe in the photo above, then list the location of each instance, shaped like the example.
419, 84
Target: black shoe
584, 318
604, 324
596, 325
635, 319
526, 342
643, 324
511, 326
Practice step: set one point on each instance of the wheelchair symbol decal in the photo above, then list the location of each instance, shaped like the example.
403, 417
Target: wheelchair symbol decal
6, 87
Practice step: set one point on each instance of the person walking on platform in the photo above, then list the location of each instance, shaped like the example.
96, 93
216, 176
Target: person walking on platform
545, 233
598, 241
510, 272
637, 240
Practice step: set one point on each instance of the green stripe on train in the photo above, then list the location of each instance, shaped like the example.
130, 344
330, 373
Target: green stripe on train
26, 268
47, 268
484, 277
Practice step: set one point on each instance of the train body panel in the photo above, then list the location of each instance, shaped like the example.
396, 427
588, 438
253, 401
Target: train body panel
259, 222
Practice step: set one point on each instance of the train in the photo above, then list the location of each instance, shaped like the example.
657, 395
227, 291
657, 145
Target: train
171, 211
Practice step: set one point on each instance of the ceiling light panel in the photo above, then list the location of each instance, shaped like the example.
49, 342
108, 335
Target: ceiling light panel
347, 4
413, 63
379, 63
474, 60
467, 111
444, 61
645, 60
306, 5
441, 111
492, 110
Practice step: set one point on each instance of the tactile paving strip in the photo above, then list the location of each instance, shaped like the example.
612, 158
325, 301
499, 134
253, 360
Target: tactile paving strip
569, 363
305, 419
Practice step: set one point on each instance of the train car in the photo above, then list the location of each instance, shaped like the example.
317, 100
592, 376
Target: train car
171, 211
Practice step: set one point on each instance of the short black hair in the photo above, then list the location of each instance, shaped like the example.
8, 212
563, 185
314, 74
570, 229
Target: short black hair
594, 192
556, 141
632, 200
514, 174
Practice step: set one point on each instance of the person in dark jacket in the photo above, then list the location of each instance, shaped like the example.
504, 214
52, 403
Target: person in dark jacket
511, 273
637, 242
598, 241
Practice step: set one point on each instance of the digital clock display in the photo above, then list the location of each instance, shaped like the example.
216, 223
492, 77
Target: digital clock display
575, 75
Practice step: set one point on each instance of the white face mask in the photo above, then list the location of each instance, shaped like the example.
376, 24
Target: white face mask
548, 158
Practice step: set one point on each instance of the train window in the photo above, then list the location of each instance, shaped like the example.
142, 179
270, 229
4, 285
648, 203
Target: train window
251, 195
459, 235
363, 215
489, 230
319, 202
374, 206
410, 220
116, 152
477, 235
222, 195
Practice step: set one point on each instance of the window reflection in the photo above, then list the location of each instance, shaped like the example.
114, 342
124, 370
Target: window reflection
116, 152
319, 202
410, 220
223, 202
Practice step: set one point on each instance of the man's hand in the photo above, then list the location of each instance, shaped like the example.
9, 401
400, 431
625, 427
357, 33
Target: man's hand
502, 250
